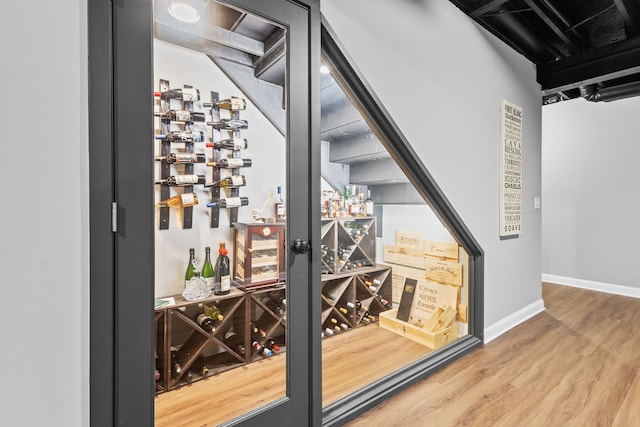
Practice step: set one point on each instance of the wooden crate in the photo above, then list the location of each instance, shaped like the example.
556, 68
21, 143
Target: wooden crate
410, 239
448, 272
387, 320
409, 256
441, 250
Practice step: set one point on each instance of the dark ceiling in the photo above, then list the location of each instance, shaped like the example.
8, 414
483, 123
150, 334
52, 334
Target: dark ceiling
581, 48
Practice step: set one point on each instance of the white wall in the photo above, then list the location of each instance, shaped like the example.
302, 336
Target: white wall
266, 149
44, 216
441, 78
591, 187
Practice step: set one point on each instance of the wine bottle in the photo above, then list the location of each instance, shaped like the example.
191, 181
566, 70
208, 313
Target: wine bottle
233, 181
362, 211
176, 365
234, 341
329, 331
280, 207
222, 277
368, 204
234, 144
229, 124
191, 268
234, 104
230, 202
182, 116
213, 311
205, 322
182, 136
183, 200
182, 94
182, 158
231, 163
182, 180
266, 352
207, 268
271, 345
354, 203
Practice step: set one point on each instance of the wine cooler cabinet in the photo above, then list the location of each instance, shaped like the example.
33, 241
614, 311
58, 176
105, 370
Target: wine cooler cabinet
354, 299
258, 255
197, 339
348, 244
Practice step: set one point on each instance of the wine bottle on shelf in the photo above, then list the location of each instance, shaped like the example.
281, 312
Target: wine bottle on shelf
231, 163
329, 331
362, 211
182, 136
213, 311
229, 124
205, 322
222, 277
368, 204
183, 200
234, 144
182, 158
256, 331
271, 345
176, 365
204, 371
354, 203
280, 207
234, 341
266, 352
207, 268
230, 202
191, 266
182, 94
233, 181
182, 116
182, 180
234, 104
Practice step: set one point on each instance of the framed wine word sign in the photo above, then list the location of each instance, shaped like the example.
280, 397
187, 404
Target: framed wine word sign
510, 169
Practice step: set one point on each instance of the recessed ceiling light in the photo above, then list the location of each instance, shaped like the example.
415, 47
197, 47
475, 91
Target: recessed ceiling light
183, 12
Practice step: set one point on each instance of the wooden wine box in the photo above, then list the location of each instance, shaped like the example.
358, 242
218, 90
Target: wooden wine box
388, 320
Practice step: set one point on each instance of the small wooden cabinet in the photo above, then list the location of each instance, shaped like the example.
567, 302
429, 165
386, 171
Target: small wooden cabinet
259, 256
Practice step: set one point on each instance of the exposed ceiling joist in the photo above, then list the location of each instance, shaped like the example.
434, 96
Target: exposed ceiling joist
611, 61
489, 7
552, 22
630, 12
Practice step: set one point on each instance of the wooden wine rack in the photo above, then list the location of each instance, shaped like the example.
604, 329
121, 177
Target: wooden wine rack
177, 332
348, 244
338, 290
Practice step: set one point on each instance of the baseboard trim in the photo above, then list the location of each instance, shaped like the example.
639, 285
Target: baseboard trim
609, 288
493, 331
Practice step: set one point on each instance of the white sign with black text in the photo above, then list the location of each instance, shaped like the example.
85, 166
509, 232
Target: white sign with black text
510, 169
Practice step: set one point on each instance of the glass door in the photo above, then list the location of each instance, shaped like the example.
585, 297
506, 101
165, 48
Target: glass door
213, 141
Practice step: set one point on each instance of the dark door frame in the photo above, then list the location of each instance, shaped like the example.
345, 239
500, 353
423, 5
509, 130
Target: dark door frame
121, 377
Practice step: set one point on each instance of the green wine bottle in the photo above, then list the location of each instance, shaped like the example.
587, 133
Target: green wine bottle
191, 268
207, 268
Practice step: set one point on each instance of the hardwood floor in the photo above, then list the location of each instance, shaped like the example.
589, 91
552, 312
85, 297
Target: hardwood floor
576, 364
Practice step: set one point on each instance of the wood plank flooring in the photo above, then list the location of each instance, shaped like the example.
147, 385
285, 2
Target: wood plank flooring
349, 361
576, 364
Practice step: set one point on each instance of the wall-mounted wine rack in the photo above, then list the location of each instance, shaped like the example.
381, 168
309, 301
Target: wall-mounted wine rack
165, 168
217, 133
221, 129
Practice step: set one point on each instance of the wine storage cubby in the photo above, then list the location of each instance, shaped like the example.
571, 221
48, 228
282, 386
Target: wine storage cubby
268, 313
245, 326
258, 255
348, 244
352, 299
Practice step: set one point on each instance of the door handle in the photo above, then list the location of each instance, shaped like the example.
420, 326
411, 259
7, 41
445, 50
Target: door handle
300, 246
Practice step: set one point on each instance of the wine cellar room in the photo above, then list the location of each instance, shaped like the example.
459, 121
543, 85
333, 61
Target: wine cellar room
380, 241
